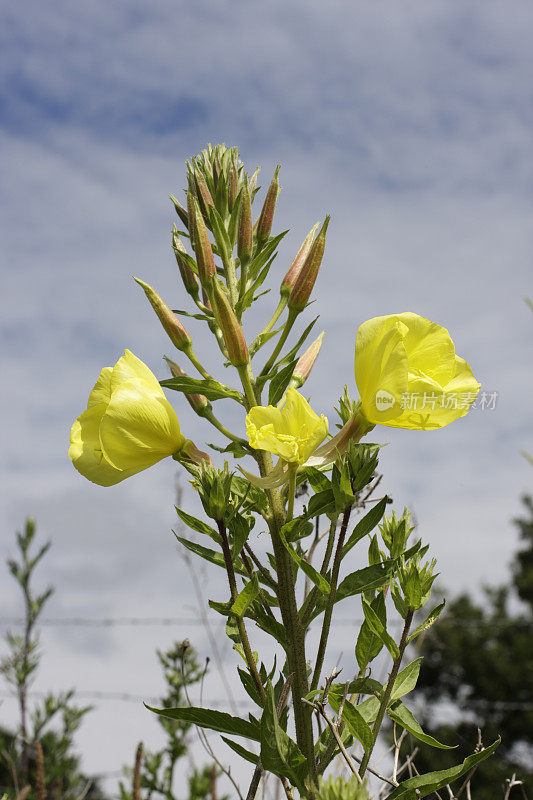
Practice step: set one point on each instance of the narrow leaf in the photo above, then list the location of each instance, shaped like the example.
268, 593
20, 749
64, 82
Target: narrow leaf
379, 629
365, 525
404, 717
198, 525
247, 596
428, 622
406, 679
209, 718
279, 384
211, 555
306, 567
357, 725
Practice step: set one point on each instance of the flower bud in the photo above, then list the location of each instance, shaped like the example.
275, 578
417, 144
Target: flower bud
190, 219
202, 192
244, 237
207, 302
306, 363
233, 187
180, 211
177, 333
294, 270
187, 275
264, 222
303, 285
231, 330
202, 248
197, 402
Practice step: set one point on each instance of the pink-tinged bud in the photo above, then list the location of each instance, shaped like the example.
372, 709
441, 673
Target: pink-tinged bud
264, 222
217, 170
180, 211
203, 249
303, 286
177, 333
233, 187
207, 302
197, 402
294, 270
190, 218
187, 275
231, 330
306, 363
204, 195
189, 453
244, 237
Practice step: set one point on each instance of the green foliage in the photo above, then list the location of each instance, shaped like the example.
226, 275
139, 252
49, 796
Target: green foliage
53, 721
478, 658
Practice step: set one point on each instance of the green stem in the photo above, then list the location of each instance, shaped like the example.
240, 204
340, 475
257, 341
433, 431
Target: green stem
240, 622
331, 600
312, 597
387, 693
208, 415
276, 315
242, 286
292, 492
281, 341
189, 352
287, 601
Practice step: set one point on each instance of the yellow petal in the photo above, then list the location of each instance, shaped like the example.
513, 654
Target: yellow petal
140, 427
101, 391
131, 368
381, 368
86, 453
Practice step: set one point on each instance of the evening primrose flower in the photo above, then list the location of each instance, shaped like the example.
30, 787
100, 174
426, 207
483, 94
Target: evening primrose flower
408, 374
128, 425
293, 433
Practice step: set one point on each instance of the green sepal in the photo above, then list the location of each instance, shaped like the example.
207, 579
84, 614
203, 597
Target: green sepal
423, 785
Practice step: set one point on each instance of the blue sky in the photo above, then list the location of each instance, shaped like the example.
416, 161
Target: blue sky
410, 123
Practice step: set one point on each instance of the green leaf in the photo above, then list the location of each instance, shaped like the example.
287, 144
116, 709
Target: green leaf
320, 503
241, 751
365, 525
279, 753
240, 531
357, 725
319, 482
211, 389
428, 622
261, 339
406, 679
199, 526
249, 686
211, 555
424, 785
266, 254
362, 580
368, 645
279, 383
213, 720
399, 713
245, 597
221, 236
377, 627
291, 354
369, 709
297, 529
307, 568
358, 686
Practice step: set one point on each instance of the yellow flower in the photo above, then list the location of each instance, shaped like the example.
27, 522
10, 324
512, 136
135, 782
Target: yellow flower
292, 433
408, 375
129, 424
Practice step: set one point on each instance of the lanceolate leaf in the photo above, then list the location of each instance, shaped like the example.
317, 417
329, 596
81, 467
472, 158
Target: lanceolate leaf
211, 555
357, 725
241, 751
279, 753
406, 680
247, 596
364, 579
213, 720
198, 525
401, 714
379, 629
321, 503
279, 384
424, 785
428, 622
365, 525
211, 389
307, 568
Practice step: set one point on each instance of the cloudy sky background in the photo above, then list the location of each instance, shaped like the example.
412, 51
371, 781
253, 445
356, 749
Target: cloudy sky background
410, 123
